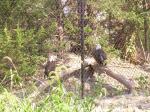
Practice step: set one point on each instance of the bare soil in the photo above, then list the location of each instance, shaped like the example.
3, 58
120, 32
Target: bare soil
115, 99
138, 101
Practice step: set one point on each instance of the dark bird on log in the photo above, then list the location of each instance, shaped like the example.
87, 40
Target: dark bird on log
99, 55
50, 65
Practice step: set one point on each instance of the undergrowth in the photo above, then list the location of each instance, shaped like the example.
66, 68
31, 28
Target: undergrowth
57, 100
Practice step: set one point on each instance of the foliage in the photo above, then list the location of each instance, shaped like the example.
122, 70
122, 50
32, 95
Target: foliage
131, 48
111, 51
124, 10
22, 47
143, 81
29, 30
58, 100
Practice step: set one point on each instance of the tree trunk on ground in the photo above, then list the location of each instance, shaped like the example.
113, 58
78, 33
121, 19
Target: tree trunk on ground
76, 71
118, 77
100, 70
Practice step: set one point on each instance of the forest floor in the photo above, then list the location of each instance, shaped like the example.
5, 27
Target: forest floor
115, 98
109, 94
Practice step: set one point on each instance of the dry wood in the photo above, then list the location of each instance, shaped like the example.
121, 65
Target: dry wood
76, 72
123, 80
144, 106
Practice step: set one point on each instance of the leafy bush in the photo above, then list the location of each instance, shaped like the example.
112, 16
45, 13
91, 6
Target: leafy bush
23, 48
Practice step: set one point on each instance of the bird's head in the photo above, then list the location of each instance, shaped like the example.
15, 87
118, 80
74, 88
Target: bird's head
52, 57
98, 46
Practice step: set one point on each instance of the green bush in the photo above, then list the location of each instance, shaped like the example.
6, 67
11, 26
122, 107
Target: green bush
24, 50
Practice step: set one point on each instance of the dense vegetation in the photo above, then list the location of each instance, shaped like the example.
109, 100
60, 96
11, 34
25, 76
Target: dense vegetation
30, 29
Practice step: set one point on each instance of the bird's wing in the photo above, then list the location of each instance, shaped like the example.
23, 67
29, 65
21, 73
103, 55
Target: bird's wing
104, 55
101, 58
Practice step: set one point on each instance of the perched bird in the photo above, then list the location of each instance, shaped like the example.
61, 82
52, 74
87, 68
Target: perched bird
99, 55
50, 65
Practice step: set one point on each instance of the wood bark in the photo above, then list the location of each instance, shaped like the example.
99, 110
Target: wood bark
145, 26
64, 75
118, 77
60, 27
99, 69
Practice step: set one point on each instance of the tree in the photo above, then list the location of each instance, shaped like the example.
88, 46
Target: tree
127, 19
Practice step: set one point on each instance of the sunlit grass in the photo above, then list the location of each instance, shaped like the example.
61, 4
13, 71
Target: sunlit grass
56, 101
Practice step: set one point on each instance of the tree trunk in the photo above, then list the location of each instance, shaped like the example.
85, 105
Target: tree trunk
60, 27
145, 26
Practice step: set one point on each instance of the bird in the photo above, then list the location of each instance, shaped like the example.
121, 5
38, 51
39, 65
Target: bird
50, 65
99, 55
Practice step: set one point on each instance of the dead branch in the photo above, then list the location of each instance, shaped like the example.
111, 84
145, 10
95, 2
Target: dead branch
123, 80
144, 106
64, 75
100, 70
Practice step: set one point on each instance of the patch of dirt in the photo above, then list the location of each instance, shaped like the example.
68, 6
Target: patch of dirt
123, 103
136, 102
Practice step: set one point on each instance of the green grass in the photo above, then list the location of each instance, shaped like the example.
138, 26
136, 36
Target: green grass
57, 101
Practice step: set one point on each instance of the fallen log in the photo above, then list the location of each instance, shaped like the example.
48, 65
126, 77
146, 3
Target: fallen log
65, 74
123, 80
144, 106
